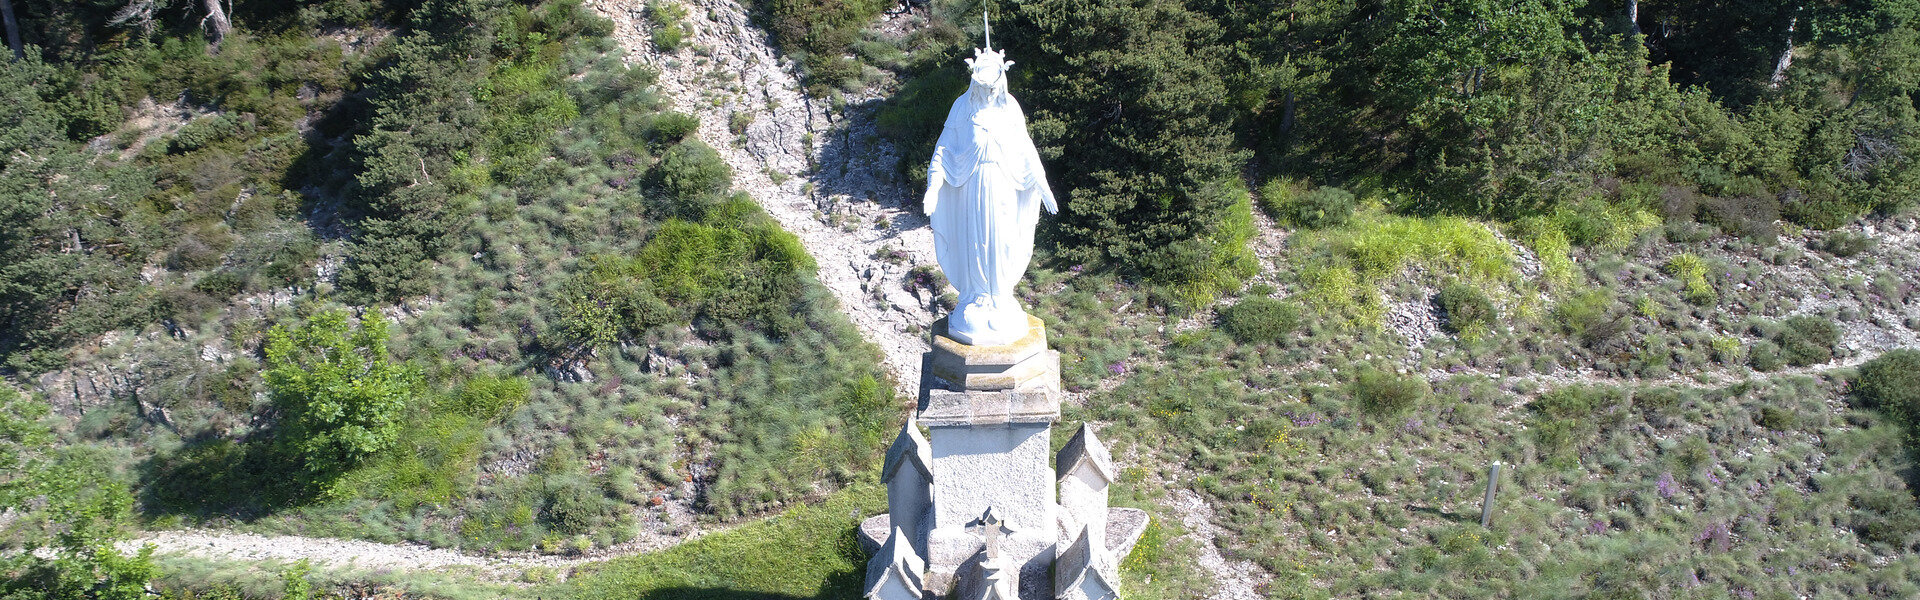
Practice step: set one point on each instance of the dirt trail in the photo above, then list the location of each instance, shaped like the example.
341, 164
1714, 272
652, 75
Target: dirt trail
360, 555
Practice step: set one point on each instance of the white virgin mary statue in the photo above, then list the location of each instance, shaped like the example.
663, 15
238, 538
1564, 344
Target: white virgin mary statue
985, 189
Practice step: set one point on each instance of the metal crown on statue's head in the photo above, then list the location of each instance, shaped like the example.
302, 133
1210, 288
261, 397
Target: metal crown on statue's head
986, 61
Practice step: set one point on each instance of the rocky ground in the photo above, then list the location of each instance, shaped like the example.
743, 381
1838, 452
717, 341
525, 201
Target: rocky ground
827, 176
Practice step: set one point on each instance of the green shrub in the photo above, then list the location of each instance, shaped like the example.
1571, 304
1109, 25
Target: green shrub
1658, 404
67, 509
1887, 517
574, 505
665, 17
1691, 270
1748, 216
1891, 382
1843, 243
691, 176
1381, 393
720, 275
1260, 320
221, 284
1468, 311
669, 128
491, 397
204, 132
1828, 212
1317, 209
1765, 356
340, 397
1564, 419
1589, 317
819, 35
1808, 340
1774, 418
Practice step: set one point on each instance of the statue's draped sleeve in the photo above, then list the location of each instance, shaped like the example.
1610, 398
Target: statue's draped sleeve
960, 150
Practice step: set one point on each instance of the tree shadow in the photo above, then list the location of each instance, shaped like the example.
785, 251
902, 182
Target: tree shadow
220, 478
694, 593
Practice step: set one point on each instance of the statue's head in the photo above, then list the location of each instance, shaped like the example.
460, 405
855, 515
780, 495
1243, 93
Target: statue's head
989, 71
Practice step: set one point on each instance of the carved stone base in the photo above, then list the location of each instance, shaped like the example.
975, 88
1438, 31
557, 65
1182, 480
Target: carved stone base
1024, 364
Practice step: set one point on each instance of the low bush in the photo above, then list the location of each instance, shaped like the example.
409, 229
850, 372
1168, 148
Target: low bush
1659, 405
1589, 317
1887, 518
1843, 243
1691, 270
1260, 320
1467, 312
1808, 340
1775, 418
1564, 419
204, 132
1891, 382
664, 18
669, 128
1748, 216
691, 176
1765, 356
1823, 211
1381, 393
574, 505
491, 397
1317, 209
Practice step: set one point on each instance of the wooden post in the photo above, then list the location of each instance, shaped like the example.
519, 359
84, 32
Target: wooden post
1486, 506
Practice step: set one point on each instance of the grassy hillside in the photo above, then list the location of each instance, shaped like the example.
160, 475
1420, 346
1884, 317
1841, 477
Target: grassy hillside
448, 272
494, 296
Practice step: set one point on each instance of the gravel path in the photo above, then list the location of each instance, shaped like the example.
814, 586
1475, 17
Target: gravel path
361, 555
828, 177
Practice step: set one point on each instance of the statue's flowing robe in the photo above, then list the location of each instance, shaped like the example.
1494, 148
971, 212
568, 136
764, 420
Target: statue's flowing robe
990, 191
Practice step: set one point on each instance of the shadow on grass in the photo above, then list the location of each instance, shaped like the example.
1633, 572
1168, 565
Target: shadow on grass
220, 478
693, 593
808, 551
1450, 516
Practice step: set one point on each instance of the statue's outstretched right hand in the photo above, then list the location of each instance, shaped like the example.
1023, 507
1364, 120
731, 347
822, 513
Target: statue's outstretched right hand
932, 198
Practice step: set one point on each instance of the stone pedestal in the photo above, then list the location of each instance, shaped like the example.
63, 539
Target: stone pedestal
990, 411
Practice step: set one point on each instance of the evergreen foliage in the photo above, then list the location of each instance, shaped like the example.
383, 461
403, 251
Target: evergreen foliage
1131, 92
468, 98
1321, 208
820, 34
69, 243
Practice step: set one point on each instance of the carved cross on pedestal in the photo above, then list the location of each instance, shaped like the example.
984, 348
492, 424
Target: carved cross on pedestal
990, 528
